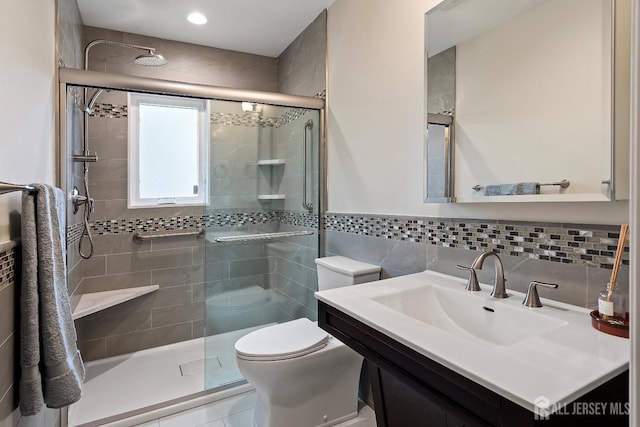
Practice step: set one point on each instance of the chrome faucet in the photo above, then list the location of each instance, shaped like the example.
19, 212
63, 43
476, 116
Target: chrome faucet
499, 289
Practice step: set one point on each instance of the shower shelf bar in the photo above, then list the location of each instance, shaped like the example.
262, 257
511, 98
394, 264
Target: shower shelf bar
140, 236
563, 184
5, 188
261, 236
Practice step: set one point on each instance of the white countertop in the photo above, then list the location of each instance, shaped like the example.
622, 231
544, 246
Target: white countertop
560, 365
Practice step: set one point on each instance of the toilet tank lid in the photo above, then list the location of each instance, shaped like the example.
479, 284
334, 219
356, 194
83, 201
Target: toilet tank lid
347, 266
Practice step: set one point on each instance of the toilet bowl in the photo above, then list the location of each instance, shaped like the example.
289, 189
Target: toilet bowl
303, 376
313, 382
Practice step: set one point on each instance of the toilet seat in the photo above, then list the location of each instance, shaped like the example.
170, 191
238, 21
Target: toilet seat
283, 341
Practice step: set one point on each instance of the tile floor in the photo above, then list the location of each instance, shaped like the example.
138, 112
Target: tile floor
237, 411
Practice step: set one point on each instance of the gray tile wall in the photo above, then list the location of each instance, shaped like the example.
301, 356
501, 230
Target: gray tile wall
191, 271
8, 333
176, 311
273, 281
237, 293
69, 37
9, 351
214, 273
187, 62
302, 65
288, 145
74, 145
294, 274
405, 245
71, 55
235, 147
441, 82
167, 315
301, 71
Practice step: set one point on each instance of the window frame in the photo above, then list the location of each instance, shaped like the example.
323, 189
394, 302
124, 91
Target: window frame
134, 100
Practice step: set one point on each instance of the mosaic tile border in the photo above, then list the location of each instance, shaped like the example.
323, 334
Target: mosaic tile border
7, 267
562, 243
254, 120
244, 120
593, 245
74, 233
300, 219
212, 220
291, 115
110, 111
116, 111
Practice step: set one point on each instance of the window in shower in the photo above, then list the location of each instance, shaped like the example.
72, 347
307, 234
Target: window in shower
166, 150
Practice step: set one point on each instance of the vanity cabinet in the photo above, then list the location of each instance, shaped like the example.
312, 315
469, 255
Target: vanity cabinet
409, 389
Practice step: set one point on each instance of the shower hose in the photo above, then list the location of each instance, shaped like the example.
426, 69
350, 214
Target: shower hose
88, 210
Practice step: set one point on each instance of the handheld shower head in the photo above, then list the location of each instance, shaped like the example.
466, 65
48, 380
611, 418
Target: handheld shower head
89, 108
151, 59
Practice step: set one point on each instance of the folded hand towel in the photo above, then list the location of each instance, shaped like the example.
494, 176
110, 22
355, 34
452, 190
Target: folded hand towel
52, 369
519, 188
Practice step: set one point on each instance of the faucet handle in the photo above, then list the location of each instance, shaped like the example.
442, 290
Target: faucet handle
472, 283
532, 299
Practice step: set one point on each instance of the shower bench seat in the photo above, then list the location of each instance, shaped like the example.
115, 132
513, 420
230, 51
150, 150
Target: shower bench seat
89, 303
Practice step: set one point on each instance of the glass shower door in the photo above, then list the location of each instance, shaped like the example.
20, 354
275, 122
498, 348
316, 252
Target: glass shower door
262, 225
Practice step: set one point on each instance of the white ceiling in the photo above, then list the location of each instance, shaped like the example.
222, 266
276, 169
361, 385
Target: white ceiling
455, 21
262, 27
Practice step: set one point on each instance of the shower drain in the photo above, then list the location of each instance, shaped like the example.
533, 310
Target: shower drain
199, 366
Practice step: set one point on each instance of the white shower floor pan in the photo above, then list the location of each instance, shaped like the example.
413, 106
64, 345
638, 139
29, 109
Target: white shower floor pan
130, 382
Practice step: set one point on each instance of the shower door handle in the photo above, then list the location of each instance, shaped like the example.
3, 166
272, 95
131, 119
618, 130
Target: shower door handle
306, 205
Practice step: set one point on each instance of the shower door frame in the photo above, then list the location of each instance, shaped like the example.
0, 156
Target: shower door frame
95, 79
75, 77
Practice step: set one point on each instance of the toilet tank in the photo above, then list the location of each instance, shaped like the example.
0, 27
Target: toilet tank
339, 271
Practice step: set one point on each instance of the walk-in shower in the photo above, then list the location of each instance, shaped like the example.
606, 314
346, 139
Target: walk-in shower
212, 257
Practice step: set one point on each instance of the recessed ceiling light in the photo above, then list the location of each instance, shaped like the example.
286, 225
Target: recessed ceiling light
197, 18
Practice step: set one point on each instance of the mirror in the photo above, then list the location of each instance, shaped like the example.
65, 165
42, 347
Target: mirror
439, 158
538, 95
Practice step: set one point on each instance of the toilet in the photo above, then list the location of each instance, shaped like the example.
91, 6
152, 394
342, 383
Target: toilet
302, 375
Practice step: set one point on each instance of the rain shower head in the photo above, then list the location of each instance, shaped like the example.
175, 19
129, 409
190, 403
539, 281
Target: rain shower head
151, 59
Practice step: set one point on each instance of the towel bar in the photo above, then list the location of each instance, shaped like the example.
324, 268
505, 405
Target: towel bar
563, 184
261, 236
138, 236
5, 188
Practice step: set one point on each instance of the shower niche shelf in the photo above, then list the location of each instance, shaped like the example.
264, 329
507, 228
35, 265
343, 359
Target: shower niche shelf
271, 162
89, 303
272, 196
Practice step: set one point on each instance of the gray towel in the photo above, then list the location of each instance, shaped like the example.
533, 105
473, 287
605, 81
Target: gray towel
520, 188
52, 369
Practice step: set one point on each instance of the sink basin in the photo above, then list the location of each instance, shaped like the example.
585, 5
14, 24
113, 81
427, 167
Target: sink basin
518, 352
469, 315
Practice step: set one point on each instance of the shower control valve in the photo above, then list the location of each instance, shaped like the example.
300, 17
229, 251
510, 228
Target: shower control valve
77, 200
